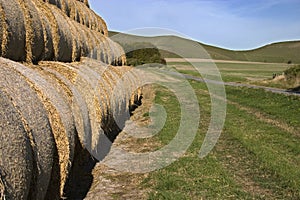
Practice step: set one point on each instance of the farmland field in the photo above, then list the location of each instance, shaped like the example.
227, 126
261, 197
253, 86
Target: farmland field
256, 157
238, 72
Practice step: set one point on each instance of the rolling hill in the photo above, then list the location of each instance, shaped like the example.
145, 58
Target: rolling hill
281, 52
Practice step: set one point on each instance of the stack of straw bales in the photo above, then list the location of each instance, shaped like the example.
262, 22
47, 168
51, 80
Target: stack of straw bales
47, 107
55, 30
49, 103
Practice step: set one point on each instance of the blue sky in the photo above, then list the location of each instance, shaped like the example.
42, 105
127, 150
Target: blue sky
232, 24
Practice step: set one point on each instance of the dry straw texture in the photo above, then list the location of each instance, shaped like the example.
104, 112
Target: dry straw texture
16, 154
13, 42
61, 124
33, 30
51, 105
35, 116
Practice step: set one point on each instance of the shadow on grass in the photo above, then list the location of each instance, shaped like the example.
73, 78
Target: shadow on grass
294, 90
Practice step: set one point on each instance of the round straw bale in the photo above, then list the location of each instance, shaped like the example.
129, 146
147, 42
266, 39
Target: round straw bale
91, 19
76, 40
61, 4
62, 37
74, 13
103, 52
49, 46
86, 93
61, 121
85, 16
34, 31
83, 13
109, 50
99, 48
88, 89
2, 29
98, 84
102, 27
119, 106
65, 7
15, 151
83, 40
2, 188
34, 113
117, 96
114, 51
79, 15
79, 107
106, 80
15, 29
118, 74
86, 2
121, 57
129, 81
55, 2
92, 66
47, 30
92, 44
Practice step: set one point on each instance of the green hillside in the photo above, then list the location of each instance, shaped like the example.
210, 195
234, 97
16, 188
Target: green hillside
282, 52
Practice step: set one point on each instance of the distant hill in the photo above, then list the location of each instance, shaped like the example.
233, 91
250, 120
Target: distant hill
281, 52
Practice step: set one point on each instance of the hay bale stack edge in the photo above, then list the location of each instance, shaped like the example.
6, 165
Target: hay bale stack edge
59, 73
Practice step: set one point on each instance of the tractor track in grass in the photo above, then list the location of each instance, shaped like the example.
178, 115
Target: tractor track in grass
243, 164
239, 162
262, 117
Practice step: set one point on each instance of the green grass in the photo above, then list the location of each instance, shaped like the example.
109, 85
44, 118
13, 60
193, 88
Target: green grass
285, 108
249, 154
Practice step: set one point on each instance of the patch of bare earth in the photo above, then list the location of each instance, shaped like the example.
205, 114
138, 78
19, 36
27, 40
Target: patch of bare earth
109, 183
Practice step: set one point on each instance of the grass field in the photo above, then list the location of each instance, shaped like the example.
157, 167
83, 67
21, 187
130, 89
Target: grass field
237, 72
257, 156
